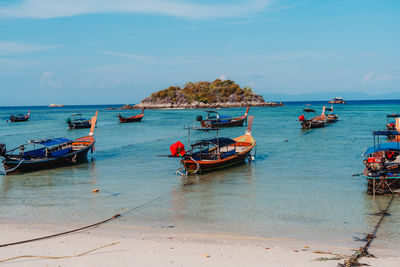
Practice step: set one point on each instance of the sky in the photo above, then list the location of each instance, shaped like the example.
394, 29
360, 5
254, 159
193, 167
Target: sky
120, 51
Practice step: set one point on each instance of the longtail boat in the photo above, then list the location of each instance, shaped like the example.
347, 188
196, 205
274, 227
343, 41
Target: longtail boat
135, 118
315, 122
216, 153
75, 121
337, 100
48, 153
382, 164
20, 117
214, 120
331, 117
390, 124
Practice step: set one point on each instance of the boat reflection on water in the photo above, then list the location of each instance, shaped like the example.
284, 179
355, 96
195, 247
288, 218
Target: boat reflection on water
204, 198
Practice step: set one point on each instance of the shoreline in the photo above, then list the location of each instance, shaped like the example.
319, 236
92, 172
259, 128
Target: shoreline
146, 246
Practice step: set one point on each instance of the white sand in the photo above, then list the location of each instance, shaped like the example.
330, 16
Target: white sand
167, 247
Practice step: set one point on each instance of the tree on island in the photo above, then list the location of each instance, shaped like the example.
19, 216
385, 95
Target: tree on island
205, 92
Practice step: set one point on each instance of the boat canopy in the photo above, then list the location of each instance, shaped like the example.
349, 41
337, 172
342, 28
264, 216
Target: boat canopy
76, 114
308, 110
382, 147
51, 142
328, 109
394, 115
222, 141
211, 111
387, 133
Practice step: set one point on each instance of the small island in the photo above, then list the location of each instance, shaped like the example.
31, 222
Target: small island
203, 94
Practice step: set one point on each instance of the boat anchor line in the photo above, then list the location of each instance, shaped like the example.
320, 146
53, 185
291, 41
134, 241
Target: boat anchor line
11, 170
116, 216
363, 251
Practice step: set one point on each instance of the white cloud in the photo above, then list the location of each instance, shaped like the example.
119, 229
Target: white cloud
136, 57
373, 77
9, 47
49, 79
42, 9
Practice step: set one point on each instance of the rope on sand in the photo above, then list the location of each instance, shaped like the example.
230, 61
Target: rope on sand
363, 251
59, 257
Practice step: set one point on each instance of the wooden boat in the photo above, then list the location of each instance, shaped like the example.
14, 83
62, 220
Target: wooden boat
331, 117
214, 120
75, 121
48, 153
390, 124
337, 100
382, 164
315, 122
20, 117
216, 153
135, 118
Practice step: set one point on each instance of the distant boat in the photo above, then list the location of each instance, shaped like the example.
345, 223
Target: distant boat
75, 121
47, 153
337, 100
214, 120
391, 125
314, 122
55, 105
135, 118
216, 153
20, 117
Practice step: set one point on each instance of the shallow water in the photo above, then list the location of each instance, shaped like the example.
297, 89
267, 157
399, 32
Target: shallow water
302, 188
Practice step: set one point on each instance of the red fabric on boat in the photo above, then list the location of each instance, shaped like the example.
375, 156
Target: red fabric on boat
177, 149
301, 118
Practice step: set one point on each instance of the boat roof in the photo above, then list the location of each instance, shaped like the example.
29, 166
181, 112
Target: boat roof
76, 114
394, 115
387, 133
210, 111
222, 141
51, 141
382, 147
308, 110
328, 109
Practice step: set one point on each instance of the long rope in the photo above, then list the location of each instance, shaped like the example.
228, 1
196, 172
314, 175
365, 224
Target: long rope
107, 220
58, 257
363, 251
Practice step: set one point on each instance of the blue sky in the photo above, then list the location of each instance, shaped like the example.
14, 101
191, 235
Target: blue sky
103, 52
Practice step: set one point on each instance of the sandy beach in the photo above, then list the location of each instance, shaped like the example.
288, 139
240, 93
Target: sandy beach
139, 246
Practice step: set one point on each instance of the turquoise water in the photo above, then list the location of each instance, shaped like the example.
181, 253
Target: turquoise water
302, 188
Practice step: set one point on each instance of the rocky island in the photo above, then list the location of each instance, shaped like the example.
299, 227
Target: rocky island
203, 94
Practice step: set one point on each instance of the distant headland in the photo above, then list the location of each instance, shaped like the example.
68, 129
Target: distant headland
203, 94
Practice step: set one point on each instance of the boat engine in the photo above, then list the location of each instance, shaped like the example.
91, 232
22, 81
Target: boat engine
374, 163
199, 118
3, 149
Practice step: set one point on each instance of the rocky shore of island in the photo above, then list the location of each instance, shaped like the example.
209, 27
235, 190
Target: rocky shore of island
203, 94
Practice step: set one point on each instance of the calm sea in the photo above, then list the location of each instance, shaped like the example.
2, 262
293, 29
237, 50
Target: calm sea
299, 188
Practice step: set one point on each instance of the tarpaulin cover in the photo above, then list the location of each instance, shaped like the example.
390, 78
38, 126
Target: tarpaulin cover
382, 147
52, 142
177, 149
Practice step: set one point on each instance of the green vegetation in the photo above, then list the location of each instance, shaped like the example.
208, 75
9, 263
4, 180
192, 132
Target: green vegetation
217, 91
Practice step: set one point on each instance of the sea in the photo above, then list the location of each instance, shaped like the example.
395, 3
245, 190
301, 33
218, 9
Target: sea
301, 184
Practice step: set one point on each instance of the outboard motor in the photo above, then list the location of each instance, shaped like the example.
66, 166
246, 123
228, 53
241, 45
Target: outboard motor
199, 118
3, 150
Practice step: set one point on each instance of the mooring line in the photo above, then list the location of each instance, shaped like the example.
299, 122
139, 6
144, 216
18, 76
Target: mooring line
363, 251
118, 215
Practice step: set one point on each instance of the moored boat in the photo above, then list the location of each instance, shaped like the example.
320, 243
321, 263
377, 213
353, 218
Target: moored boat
216, 153
331, 117
136, 118
75, 121
390, 124
315, 122
337, 100
20, 117
214, 120
47, 153
382, 164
